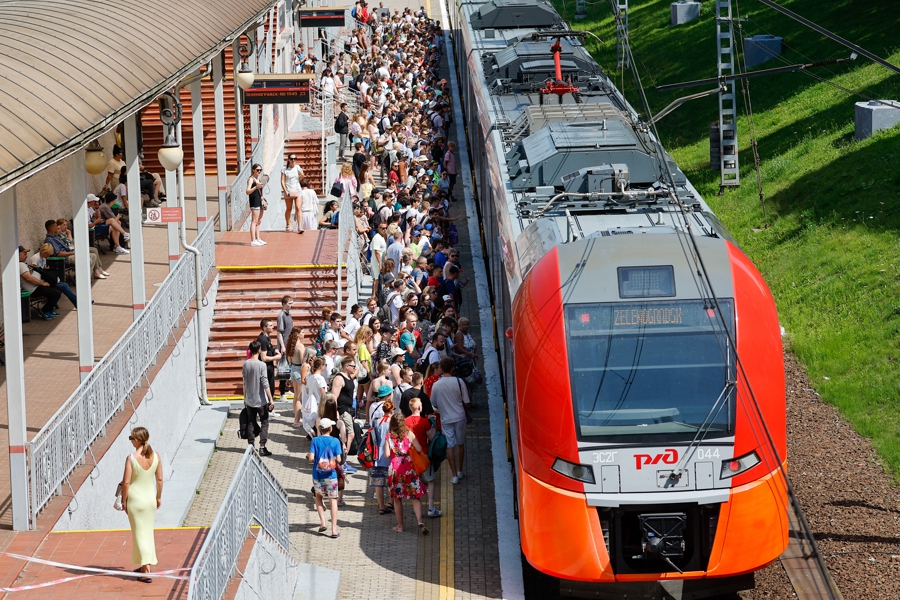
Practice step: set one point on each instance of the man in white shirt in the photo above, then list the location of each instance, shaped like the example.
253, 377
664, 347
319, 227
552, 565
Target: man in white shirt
335, 330
378, 247
353, 321
450, 397
395, 300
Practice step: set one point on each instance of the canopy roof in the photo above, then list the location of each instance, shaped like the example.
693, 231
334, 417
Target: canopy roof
72, 69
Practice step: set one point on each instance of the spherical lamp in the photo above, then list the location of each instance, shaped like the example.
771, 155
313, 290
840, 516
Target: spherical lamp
170, 153
95, 160
245, 77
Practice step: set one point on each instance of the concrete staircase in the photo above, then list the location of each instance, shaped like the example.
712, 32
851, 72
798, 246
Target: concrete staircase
248, 295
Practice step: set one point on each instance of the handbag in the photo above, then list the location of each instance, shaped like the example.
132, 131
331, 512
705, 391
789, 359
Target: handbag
419, 459
337, 189
282, 369
117, 504
51, 277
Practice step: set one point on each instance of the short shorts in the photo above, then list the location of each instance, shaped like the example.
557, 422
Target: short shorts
295, 372
347, 418
327, 488
455, 433
378, 476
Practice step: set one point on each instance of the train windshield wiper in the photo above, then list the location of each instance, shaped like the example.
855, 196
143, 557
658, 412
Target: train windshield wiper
704, 428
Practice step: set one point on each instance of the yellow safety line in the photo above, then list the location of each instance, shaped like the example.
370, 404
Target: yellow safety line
447, 576
224, 398
119, 530
264, 267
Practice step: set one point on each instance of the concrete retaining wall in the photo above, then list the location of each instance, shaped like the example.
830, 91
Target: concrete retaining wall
166, 411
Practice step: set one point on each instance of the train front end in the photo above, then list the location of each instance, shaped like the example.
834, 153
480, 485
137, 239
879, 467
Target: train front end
650, 416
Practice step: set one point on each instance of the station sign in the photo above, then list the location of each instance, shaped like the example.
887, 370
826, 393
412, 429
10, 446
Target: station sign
165, 214
322, 16
279, 88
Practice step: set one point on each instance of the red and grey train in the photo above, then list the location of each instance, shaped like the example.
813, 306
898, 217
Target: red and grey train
642, 362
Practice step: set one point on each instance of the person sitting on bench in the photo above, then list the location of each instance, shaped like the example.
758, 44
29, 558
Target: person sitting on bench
115, 227
38, 262
57, 237
31, 282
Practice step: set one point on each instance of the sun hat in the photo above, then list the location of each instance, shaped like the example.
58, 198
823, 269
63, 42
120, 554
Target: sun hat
384, 390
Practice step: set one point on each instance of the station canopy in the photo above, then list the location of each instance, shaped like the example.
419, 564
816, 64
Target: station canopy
73, 69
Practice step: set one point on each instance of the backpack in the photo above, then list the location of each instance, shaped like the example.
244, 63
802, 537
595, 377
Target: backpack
453, 234
422, 363
368, 451
327, 462
335, 218
463, 366
357, 439
320, 342
384, 311
437, 448
353, 12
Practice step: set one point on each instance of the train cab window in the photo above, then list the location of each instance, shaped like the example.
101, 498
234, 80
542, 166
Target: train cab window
650, 371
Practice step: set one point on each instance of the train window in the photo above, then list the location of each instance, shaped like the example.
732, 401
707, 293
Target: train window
646, 282
650, 371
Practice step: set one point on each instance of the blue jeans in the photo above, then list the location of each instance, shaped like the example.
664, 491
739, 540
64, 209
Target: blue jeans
67, 291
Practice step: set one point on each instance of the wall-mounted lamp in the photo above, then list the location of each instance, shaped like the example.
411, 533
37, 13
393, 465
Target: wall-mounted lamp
94, 159
245, 75
170, 154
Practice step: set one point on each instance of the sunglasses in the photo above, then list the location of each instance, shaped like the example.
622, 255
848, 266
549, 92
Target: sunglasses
130, 438
258, 169
292, 158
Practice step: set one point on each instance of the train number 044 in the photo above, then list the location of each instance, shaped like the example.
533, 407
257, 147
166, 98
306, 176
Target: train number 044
705, 453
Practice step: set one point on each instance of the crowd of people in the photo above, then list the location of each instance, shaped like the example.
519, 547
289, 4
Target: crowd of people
395, 371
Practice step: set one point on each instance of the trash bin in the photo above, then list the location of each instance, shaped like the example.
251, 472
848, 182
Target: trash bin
26, 306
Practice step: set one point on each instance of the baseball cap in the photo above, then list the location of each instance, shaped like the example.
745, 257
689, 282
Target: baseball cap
448, 298
92, 198
21, 249
388, 329
394, 352
388, 279
325, 423
385, 390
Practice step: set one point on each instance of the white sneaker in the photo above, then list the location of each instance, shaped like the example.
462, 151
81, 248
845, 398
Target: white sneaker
262, 242
121, 250
461, 475
454, 480
127, 236
255, 243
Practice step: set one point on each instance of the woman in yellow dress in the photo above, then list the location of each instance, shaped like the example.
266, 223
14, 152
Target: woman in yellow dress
141, 499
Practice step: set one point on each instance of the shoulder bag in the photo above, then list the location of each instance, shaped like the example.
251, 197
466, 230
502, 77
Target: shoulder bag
419, 459
117, 504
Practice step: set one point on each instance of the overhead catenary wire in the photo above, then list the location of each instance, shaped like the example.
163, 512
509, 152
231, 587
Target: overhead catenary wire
703, 281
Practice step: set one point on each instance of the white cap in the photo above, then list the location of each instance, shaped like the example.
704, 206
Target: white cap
92, 198
325, 423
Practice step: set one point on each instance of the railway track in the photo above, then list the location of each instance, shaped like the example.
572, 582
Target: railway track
809, 577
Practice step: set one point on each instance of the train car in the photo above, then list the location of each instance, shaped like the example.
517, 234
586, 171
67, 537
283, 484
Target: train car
642, 362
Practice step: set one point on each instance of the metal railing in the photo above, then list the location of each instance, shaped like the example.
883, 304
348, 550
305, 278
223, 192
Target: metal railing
348, 239
65, 440
239, 201
254, 495
322, 102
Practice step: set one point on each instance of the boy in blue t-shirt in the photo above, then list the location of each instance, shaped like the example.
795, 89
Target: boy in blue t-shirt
325, 454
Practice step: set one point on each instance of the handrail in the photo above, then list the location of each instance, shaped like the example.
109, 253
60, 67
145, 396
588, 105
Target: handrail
254, 495
65, 440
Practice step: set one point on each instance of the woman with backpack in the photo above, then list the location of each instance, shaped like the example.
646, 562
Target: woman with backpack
403, 480
325, 454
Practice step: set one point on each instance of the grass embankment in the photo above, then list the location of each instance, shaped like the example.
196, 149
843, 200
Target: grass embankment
831, 253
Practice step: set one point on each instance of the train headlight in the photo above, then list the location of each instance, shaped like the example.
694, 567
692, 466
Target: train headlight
583, 473
736, 466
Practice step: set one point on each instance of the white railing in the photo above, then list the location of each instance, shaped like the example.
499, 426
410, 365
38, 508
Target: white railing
239, 201
322, 102
65, 440
348, 239
254, 495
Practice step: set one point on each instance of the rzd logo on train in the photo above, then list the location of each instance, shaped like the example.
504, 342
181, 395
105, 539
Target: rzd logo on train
669, 457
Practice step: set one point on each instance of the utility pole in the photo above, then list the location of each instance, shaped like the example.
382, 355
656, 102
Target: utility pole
728, 142
622, 61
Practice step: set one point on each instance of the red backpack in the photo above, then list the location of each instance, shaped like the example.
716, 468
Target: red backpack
368, 451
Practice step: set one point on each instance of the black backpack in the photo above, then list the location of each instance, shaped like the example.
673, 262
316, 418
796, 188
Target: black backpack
383, 313
243, 420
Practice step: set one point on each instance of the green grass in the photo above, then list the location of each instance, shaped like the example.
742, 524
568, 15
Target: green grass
831, 253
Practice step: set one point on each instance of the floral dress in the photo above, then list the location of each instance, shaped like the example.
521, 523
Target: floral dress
403, 481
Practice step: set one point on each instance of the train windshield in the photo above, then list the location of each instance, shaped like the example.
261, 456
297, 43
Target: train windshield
657, 369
